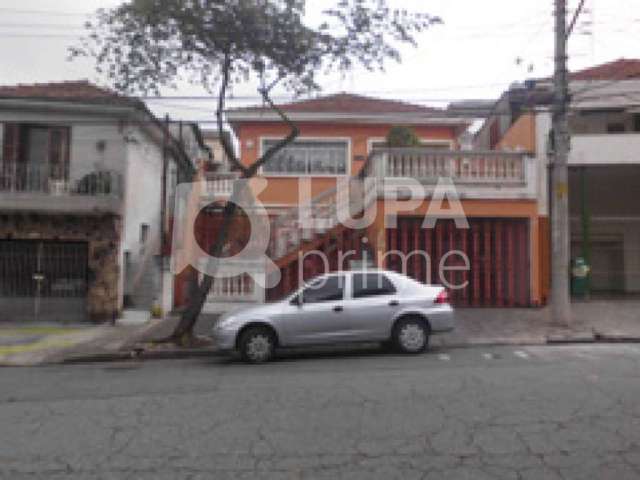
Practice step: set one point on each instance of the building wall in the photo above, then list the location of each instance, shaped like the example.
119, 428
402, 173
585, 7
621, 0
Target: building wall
86, 155
284, 190
542, 129
219, 157
594, 122
143, 194
498, 123
521, 136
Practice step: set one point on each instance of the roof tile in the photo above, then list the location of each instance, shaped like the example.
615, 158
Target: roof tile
349, 103
621, 69
81, 90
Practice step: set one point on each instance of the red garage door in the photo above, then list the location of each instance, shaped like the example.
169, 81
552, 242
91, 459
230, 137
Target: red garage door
497, 251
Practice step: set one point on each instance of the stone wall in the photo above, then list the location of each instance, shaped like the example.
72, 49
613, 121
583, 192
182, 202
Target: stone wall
102, 233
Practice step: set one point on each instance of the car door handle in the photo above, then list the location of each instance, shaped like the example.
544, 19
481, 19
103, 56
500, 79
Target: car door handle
338, 308
394, 303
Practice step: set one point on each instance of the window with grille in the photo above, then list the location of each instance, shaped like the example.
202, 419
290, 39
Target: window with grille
305, 157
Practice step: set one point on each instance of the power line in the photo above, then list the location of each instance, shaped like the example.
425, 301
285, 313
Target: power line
40, 35
431, 115
45, 12
40, 25
454, 35
395, 92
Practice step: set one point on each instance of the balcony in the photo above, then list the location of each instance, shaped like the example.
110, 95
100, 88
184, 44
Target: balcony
219, 185
33, 188
475, 174
605, 149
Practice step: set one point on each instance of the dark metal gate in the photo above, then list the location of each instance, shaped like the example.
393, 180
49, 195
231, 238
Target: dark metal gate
43, 280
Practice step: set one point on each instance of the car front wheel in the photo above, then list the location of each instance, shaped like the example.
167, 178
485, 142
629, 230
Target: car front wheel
257, 345
411, 336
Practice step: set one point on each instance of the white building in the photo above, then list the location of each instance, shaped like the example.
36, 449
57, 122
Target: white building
86, 189
604, 163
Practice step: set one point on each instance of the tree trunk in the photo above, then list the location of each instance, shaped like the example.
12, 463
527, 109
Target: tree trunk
183, 333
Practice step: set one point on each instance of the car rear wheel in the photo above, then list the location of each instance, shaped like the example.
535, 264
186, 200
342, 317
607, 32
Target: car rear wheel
257, 345
411, 335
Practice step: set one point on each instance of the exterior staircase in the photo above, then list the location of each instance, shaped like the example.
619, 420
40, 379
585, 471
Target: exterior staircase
296, 230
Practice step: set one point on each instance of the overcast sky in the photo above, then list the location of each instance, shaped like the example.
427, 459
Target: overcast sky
481, 48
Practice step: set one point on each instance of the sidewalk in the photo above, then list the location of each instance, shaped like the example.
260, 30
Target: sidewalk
595, 321
604, 321
27, 344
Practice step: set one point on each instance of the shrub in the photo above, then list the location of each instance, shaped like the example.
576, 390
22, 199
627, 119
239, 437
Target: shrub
400, 136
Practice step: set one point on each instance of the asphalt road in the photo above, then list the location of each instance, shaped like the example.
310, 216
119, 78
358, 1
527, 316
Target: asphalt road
498, 413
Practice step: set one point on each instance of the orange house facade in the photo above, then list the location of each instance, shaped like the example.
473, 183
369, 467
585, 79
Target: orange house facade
473, 224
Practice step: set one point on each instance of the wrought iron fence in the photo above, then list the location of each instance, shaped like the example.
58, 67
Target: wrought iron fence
32, 268
29, 178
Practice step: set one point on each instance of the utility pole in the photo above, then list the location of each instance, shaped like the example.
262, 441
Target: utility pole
560, 299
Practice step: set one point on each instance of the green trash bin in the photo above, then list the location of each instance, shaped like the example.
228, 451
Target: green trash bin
580, 277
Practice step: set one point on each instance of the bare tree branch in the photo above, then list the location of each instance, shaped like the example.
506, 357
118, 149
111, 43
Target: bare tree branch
295, 132
224, 83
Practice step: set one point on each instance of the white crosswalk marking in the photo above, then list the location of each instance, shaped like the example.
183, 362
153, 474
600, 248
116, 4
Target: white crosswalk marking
488, 356
521, 354
444, 357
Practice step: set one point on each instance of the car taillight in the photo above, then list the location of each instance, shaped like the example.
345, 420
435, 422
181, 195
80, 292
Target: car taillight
443, 297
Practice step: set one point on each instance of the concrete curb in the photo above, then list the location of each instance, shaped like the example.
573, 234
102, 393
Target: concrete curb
145, 355
604, 338
595, 338
569, 339
178, 354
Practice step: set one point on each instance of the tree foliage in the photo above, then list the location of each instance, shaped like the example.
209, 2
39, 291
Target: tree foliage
144, 45
402, 136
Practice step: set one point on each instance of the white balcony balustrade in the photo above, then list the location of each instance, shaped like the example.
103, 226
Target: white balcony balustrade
475, 174
219, 185
230, 292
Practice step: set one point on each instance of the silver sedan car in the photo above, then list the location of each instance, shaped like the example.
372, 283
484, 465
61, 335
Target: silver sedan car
342, 307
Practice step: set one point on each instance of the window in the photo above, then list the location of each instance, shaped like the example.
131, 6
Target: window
325, 289
46, 148
371, 284
144, 233
308, 158
36, 151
